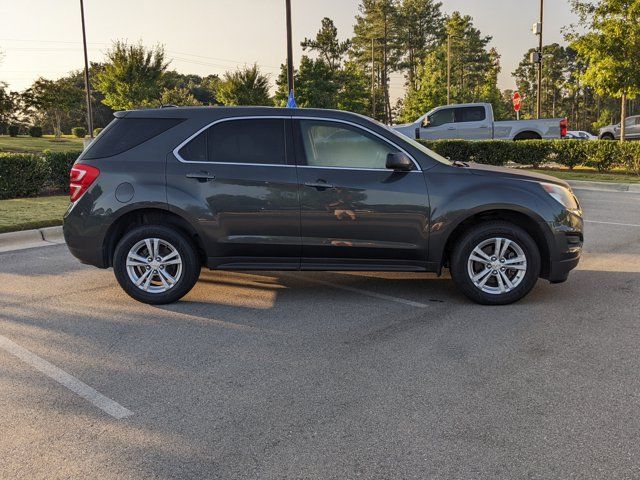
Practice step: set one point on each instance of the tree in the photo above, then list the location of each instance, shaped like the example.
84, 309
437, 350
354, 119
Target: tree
181, 97
420, 29
610, 49
7, 106
245, 86
474, 71
55, 99
203, 89
375, 35
327, 45
133, 76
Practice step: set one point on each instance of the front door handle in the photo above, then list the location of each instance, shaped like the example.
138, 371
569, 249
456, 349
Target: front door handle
201, 176
319, 185
451, 128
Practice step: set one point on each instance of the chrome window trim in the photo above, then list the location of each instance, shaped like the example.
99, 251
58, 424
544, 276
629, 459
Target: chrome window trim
284, 117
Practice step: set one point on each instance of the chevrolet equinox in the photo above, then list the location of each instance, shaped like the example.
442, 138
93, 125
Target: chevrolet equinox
162, 192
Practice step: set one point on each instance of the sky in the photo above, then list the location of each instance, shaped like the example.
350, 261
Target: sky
43, 37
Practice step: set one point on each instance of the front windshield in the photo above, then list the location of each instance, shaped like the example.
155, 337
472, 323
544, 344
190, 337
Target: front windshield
419, 146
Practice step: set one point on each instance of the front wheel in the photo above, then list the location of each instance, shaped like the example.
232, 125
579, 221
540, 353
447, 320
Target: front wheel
495, 263
155, 264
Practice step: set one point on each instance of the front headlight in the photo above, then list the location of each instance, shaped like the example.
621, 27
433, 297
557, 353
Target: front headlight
562, 195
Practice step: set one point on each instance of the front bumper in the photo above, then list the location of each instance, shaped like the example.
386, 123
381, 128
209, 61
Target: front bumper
565, 246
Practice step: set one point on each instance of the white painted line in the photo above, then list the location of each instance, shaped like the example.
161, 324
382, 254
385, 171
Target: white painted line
63, 378
613, 223
363, 292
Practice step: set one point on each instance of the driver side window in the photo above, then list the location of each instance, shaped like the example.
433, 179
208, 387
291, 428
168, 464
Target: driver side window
329, 144
442, 117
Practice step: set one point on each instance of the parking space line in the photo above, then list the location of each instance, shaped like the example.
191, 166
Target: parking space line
613, 223
63, 378
367, 293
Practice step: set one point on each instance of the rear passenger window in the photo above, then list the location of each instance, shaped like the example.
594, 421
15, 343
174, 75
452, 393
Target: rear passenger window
258, 141
123, 134
470, 114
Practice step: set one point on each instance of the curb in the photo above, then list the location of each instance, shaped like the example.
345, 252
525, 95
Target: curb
604, 186
24, 239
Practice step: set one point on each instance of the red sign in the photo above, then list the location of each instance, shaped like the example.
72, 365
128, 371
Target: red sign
517, 101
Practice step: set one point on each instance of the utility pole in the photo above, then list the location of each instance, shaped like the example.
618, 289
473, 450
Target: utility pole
289, 49
87, 87
373, 80
539, 95
448, 69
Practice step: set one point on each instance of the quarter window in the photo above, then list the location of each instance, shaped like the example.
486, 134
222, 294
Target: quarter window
253, 141
328, 144
123, 134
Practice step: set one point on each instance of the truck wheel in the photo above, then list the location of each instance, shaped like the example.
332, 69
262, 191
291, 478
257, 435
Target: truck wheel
527, 136
155, 264
495, 263
606, 136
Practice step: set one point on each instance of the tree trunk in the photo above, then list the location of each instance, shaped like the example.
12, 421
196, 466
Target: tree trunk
623, 114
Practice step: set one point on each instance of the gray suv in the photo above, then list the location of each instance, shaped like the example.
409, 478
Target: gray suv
161, 193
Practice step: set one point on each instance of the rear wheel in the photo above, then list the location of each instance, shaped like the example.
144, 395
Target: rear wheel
495, 263
155, 264
606, 136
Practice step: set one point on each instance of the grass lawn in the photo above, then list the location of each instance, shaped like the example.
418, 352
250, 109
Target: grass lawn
23, 143
591, 175
26, 213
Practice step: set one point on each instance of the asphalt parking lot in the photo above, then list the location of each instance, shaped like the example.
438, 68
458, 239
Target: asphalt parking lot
324, 375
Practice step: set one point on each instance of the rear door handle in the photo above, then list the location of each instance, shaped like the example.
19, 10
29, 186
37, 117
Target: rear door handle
484, 126
201, 176
451, 128
320, 185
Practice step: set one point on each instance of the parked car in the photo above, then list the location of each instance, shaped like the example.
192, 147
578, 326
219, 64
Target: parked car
612, 132
474, 121
161, 193
580, 135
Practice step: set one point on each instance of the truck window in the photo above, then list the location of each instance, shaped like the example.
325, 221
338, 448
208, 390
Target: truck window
441, 117
470, 114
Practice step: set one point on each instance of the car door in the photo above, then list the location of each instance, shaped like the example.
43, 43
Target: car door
439, 125
633, 128
472, 123
354, 212
236, 181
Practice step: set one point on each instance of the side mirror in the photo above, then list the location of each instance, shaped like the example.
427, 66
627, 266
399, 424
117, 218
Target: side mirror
399, 161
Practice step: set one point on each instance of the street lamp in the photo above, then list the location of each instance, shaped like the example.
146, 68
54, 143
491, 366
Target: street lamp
87, 88
289, 49
536, 57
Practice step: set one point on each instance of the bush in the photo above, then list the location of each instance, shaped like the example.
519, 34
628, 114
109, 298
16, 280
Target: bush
35, 131
14, 130
96, 131
60, 164
600, 155
22, 175
79, 132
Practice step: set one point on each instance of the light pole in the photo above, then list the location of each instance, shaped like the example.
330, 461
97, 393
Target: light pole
449, 69
373, 80
538, 31
289, 50
87, 87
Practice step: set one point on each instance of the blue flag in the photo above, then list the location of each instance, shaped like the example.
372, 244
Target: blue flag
291, 103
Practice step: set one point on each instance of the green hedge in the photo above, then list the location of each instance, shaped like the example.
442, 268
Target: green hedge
601, 155
79, 132
22, 175
60, 164
28, 175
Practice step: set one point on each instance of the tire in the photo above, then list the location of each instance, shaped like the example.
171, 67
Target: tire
527, 136
181, 264
606, 136
496, 290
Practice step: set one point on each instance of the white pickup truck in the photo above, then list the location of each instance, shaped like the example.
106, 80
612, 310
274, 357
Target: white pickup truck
474, 121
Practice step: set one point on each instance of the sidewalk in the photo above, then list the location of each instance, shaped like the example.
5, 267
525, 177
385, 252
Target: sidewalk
40, 237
